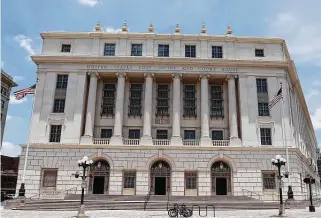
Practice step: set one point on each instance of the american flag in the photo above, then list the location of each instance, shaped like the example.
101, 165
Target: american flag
276, 99
20, 94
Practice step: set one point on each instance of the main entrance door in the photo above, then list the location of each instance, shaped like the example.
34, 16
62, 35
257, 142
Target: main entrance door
160, 178
221, 186
99, 183
221, 178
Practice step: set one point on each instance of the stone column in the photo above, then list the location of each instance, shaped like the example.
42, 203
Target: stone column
117, 138
205, 132
176, 125
234, 139
91, 108
147, 130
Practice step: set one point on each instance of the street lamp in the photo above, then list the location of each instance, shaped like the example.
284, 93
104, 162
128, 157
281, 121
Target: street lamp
309, 180
84, 163
278, 162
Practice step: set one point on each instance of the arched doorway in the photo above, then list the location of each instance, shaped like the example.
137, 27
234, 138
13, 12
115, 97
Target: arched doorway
160, 177
221, 178
99, 183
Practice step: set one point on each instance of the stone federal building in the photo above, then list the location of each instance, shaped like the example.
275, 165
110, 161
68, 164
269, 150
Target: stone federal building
175, 114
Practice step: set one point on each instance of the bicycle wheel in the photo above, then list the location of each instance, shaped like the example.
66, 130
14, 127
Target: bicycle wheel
172, 213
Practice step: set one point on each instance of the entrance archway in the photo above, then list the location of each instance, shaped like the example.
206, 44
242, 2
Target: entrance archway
99, 182
221, 178
160, 177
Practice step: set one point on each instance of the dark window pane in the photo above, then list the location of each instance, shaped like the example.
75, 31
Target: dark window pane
137, 50
59, 106
49, 178
269, 180
190, 51
106, 133
65, 48
109, 49
163, 50
261, 85
263, 109
266, 136
135, 99
217, 52
62, 81
134, 134
129, 179
259, 52
217, 109
217, 135
55, 133
108, 101
189, 134
190, 180
162, 134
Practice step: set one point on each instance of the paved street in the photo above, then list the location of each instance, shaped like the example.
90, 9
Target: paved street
157, 214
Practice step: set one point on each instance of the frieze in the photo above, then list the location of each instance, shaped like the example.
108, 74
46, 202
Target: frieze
156, 68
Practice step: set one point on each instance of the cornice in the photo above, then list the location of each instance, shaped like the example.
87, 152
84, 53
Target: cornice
121, 35
157, 61
7, 79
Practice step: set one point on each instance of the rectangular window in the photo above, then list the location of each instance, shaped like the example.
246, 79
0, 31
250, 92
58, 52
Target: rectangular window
109, 49
161, 134
2, 104
65, 48
261, 85
106, 133
189, 101
129, 179
59, 106
191, 180
163, 50
217, 135
190, 51
4, 91
137, 50
262, 97
135, 99
62, 81
162, 106
189, 134
259, 52
55, 133
134, 134
265, 136
217, 52
49, 178
217, 109
268, 180
108, 101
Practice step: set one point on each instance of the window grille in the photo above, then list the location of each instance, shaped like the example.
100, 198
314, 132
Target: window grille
190, 51
62, 81
109, 49
217, 108
49, 178
59, 106
108, 101
217, 52
269, 180
266, 136
189, 101
161, 134
162, 107
163, 50
135, 100
137, 50
55, 133
129, 179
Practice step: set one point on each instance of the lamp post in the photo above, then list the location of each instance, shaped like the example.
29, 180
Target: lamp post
84, 163
309, 180
278, 162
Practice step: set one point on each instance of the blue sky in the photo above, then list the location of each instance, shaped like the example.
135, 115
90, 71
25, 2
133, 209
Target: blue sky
299, 22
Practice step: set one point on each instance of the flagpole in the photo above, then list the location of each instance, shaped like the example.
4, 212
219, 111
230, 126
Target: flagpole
22, 190
290, 192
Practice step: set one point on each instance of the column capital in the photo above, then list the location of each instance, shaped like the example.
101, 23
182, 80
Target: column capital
204, 76
149, 75
94, 74
231, 76
121, 75
177, 75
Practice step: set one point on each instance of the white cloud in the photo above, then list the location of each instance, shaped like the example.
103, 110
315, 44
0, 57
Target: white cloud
9, 149
25, 43
313, 93
18, 78
13, 100
112, 30
90, 3
316, 119
8, 117
302, 34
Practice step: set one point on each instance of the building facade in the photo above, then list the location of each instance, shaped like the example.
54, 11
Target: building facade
166, 114
9, 174
6, 84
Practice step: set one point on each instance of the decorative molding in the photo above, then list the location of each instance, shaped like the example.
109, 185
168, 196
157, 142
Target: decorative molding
231, 77
58, 119
204, 76
149, 75
121, 75
177, 76
94, 74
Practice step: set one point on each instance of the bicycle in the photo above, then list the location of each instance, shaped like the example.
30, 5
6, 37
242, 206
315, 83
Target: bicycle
182, 210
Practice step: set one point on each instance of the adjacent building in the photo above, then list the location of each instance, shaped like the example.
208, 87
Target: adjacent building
173, 114
6, 84
9, 174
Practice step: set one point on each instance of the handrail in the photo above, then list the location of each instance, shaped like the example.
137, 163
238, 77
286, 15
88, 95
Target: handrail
252, 192
147, 199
